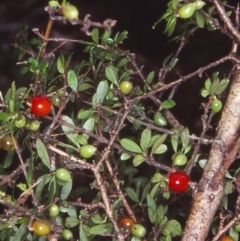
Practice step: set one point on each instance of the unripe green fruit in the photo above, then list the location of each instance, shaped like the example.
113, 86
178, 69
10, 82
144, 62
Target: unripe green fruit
67, 234
180, 160
70, 12
20, 121
138, 230
187, 10
126, 87
160, 120
87, 151
63, 176
216, 106
34, 125
54, 211
56, 100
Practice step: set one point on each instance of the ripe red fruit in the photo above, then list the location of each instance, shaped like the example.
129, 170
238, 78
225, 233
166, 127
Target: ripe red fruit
126, 223
41, 105
178, 182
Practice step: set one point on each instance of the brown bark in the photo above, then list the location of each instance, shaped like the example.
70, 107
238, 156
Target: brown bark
210, 189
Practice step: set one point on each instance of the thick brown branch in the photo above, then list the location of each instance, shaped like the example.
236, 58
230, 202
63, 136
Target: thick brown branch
210, 189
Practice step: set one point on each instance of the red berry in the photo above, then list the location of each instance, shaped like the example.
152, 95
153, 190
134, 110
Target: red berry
178, 182
125, 223
41, 105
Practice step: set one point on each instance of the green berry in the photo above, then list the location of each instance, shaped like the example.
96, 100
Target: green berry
20, 121
187, 10
160, 120
126, 87
180, 160
216, 105
67, 234
34, 125
87, 151
63, 176
70, 12
138, 230
56, 100
54, 211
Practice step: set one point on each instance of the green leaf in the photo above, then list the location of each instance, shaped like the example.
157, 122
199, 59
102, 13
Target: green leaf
52, 189
95, 34
167, 104
154, 190
233, 233
8, 159
150, 77
20, 232
161, 211
161, 149
130, 145
97, 219
124, 156
157, 178
185, 140
225, 202
42, 153
82, 233
101, 229
70, 132
72, 80
102, 91
174, 227
82, 140
111, 74
202, 163
42, 181
83, 114
157, 144
120, 37
66, 190
152, 208
145, 192
138, 159
145, 139
204, 93
222, 86
71, 222
208, 85
170, 26
84, 86
174, 4
4, 116
89, 126
174, 139
132, 194
60, 64
214, 86
199, 19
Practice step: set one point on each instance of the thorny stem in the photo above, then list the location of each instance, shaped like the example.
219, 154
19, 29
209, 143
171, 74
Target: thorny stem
46, 35
108, 206
186, 77
231, 28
